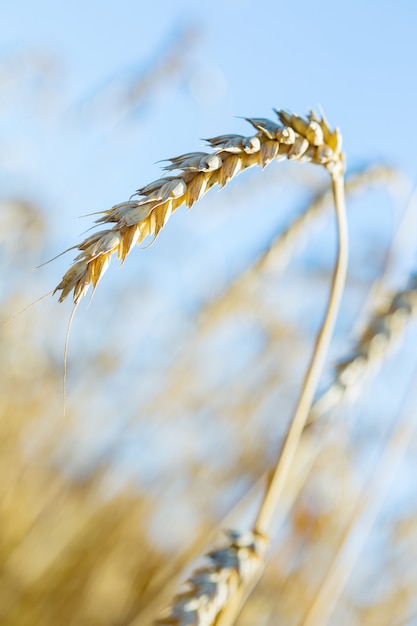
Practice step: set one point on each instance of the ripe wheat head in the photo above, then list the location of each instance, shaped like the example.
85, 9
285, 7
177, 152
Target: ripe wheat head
294, 138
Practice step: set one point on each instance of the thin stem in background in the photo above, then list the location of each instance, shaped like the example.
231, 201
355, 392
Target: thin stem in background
360, 525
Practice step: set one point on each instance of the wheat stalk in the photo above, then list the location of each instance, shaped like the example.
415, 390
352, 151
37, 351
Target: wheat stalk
147, 212
302, 411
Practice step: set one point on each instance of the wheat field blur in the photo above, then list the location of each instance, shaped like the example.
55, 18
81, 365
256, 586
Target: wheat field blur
184, 368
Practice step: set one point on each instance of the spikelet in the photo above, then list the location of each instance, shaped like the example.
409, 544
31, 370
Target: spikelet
147, 212
384, 329
212, 587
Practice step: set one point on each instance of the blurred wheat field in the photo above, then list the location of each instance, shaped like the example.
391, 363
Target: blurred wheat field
183, 372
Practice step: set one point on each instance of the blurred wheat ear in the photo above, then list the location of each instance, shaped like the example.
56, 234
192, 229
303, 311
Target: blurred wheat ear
284, 245
212, 587
385, 328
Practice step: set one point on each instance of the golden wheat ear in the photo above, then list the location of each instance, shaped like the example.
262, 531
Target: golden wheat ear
147, 212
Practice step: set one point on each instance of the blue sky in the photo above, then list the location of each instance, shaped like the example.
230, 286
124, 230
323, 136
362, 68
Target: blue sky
357, 60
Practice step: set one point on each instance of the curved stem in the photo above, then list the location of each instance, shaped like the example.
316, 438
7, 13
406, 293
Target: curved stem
295, 430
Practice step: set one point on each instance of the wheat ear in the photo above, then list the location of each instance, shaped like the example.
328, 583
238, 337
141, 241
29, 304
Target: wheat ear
374, 344
147, 212
212, 587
